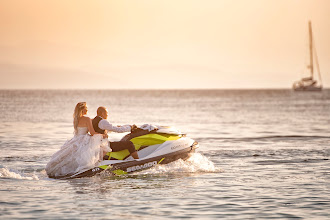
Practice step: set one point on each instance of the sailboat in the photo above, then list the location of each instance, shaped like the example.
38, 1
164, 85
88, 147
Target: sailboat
310, 83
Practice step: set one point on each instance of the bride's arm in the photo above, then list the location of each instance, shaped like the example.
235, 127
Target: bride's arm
90, 127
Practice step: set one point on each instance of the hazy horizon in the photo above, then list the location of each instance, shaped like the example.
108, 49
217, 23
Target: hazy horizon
160, 44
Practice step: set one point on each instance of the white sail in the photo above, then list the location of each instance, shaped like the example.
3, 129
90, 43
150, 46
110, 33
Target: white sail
309, 83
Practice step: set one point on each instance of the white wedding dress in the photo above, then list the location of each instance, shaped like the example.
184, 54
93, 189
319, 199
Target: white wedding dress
80, 153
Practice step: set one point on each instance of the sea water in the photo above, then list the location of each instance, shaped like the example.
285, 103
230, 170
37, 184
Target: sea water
264, 154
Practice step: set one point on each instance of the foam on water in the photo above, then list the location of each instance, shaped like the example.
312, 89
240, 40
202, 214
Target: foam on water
196, 163
5, 173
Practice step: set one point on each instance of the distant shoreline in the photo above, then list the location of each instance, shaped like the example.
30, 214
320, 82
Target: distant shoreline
153, 89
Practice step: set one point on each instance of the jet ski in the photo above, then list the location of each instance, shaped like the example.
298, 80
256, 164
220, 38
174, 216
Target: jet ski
154, 144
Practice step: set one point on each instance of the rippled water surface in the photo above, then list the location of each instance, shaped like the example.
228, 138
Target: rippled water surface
263, 154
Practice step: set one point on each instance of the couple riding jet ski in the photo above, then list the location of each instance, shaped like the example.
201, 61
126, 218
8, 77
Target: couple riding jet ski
154, 144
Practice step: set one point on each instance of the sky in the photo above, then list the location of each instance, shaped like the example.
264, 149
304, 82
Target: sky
160, 44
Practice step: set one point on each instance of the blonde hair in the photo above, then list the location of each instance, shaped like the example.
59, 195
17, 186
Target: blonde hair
77, 114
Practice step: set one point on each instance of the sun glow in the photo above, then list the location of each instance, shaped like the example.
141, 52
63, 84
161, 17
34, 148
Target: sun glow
158, 44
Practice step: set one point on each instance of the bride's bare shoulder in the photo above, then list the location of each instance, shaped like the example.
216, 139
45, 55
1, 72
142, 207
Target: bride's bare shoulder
85, 118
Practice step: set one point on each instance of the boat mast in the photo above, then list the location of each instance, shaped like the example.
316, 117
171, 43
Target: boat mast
317, 65
311, 48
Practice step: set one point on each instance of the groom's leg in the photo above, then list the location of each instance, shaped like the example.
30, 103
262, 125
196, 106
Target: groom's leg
122, 145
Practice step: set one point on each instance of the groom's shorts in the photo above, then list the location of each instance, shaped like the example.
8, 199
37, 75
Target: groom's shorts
122, 145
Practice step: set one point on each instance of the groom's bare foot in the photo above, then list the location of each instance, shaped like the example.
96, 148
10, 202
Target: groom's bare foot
135, 155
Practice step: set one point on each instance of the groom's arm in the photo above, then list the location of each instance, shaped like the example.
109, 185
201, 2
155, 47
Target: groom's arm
105, 125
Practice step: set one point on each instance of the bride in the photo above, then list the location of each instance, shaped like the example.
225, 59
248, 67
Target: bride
83, 151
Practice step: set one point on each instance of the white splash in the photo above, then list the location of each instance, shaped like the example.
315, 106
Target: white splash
5, 173
196, 163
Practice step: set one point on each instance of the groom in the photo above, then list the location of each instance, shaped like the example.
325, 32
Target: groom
100, 124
